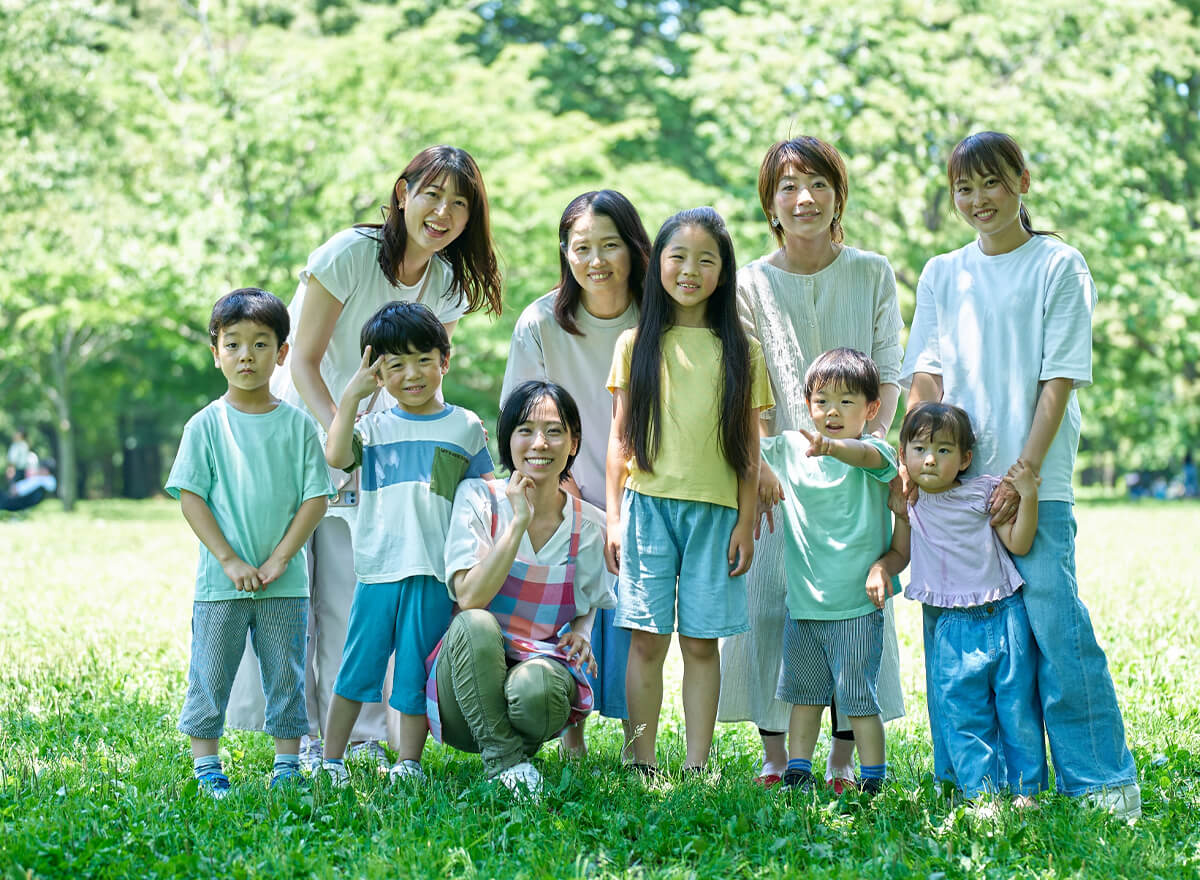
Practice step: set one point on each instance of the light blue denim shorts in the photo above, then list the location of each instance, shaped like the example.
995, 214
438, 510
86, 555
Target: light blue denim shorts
408, 617
675, 561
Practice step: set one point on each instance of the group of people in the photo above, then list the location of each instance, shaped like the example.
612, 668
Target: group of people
691, 448
27, 478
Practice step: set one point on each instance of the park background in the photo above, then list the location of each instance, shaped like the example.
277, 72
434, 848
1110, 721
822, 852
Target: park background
156, 154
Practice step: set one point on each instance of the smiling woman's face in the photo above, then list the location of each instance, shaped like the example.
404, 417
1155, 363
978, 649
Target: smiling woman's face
541, 444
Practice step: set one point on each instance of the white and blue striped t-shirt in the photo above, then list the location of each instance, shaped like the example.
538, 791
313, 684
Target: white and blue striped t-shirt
411, 466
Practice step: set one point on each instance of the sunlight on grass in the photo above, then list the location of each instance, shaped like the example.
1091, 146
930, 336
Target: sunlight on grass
94, 620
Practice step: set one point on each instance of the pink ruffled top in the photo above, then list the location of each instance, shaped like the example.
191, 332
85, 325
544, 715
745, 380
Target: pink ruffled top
957, 559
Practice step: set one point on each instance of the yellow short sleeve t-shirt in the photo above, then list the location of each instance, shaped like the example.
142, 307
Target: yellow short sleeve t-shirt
690, 465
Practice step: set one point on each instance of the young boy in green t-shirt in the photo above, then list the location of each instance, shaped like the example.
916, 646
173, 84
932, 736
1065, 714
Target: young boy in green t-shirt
251, 479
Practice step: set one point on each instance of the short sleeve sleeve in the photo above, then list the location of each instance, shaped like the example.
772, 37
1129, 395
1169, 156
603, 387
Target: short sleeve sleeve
443, 296
316, 471
886, 351
481, 460
773, 451
193, 467
618, 375
760, 387
985, 485
593, 586
1067, 325
526, 359
341, 262
469, 536
745, 307
923, 355
889, 468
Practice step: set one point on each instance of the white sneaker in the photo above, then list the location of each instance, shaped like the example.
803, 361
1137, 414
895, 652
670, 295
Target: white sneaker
406, 771
1124, 801
312, 751
522, 780
339, 776
369, 752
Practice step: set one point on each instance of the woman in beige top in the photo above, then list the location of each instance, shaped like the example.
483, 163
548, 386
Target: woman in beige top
813, 294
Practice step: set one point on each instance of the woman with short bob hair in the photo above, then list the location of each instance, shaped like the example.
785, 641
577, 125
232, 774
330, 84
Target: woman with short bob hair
813, 294
525, 564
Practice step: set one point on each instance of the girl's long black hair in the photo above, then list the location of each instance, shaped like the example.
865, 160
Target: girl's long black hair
642, 435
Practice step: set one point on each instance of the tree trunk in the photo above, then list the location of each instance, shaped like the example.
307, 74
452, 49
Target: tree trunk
66, 433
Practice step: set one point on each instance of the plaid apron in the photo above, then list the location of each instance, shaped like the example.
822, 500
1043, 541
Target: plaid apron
534, 607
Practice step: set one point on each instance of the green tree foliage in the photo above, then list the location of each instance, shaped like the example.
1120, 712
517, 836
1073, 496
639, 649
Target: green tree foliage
154, 155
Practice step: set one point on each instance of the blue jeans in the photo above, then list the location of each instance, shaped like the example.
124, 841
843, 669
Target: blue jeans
1079, 703
985, 693
610, 647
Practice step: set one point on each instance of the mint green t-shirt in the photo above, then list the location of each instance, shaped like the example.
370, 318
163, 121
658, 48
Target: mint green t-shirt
254, 470
836, 522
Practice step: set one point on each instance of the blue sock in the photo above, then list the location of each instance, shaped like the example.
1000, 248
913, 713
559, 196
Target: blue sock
206, 764
874, 771
804, 765
283, 762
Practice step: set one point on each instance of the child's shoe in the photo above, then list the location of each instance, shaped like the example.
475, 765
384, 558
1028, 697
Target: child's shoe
799, 780
870, 786
371, 752
213, 783
840, 779
286, 776
312, 751
339, 776
407, 770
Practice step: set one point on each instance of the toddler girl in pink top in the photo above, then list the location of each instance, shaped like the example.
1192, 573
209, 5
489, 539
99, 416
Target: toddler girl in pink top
982, 693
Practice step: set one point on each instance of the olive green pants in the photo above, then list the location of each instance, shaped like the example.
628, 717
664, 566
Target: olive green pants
490, 705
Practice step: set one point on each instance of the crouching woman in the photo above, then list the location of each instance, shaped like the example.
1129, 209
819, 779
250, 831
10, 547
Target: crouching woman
525, 563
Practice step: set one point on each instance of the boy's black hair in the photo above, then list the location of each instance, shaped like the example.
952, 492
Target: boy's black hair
250, 304
403, 327
520, 403
927, 419
846, 367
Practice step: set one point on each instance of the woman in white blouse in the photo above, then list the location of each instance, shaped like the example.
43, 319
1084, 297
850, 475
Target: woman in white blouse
812, 294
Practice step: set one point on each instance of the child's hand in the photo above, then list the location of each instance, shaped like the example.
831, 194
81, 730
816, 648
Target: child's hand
366, 378
576, 647
519, 492
879, 585
770, 493
1024, 479
244, 576
612, 546
272, 570
741, 548
818, 443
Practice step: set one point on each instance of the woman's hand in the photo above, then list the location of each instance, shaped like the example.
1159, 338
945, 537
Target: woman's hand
520, 495
577, 648
1003, 503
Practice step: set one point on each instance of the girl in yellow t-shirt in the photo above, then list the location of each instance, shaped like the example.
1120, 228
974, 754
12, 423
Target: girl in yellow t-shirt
682, 476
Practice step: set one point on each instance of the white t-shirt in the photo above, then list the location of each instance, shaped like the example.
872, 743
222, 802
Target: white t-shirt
541, 349
411, 468
993, 327
347, 267
469, 540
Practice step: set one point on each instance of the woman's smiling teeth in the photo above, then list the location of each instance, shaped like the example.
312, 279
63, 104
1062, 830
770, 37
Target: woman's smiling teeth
985, 215
538, 461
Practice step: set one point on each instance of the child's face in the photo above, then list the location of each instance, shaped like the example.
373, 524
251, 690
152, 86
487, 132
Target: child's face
690, 267
541, 445
414, 379
839, 413
247, 353
934, 463
435, 213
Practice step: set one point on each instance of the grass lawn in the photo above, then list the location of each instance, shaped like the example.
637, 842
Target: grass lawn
94, 778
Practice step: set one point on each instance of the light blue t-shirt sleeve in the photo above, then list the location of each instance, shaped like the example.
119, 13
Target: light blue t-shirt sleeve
193, 467
316, 471
890, 467
481, 461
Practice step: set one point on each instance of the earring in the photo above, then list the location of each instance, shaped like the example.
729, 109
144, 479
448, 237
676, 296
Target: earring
775, 222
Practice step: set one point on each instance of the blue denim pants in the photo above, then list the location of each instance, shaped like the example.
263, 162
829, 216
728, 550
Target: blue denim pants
1079, 703
985, 692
